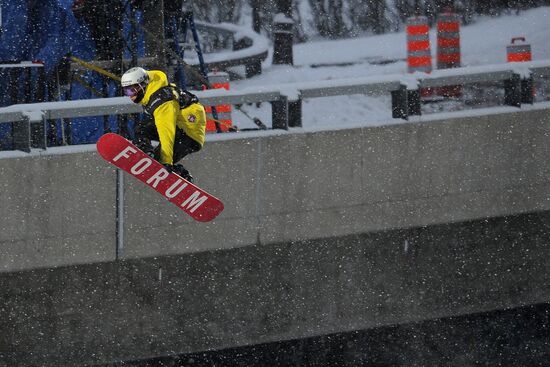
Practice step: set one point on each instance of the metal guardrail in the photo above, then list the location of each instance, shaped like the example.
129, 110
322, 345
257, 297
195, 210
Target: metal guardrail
286, 98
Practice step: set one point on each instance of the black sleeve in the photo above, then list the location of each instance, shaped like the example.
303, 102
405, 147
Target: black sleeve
186, 98
159, 97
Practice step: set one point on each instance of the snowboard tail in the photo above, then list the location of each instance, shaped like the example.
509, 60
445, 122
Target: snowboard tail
194, 201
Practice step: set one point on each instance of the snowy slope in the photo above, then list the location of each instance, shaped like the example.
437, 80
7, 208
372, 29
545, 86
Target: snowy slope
483, 42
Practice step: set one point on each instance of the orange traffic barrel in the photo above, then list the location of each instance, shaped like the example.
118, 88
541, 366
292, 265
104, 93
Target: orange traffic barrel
419, 57
448, 40
448, 49
219, 80
518, 50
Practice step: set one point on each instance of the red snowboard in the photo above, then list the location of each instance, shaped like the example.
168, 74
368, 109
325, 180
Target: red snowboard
119, 151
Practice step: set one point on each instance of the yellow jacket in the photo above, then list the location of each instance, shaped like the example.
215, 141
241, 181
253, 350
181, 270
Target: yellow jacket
168, 116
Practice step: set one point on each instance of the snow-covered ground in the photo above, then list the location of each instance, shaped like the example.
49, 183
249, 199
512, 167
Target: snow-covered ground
482, 43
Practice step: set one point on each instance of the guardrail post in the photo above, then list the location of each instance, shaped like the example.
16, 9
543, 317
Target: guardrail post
42, 133
399, 103
279, 113
37, 123
512, 91
32, 126
295, 113
413, 102
39, 132
21, 134
527, 90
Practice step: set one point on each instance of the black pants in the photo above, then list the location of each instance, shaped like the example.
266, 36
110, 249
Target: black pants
145, 131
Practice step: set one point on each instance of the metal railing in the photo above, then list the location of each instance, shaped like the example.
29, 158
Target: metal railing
286, 99
23, 81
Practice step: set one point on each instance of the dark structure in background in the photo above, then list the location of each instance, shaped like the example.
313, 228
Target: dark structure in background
104, 19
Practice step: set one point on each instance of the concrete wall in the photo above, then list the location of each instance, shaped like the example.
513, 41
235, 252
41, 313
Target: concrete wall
56, 210
60, 209
323, 232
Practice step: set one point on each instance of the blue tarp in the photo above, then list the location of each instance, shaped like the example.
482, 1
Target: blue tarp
47, 30
42, 30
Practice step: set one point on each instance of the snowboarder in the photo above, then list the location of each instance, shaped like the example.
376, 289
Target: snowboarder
174, 118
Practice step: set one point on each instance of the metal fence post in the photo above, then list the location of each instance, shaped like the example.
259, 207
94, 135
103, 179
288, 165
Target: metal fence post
21, 134
399, 103
512, 91
295, 113
413, 102
527, 90
279, 113
119, 214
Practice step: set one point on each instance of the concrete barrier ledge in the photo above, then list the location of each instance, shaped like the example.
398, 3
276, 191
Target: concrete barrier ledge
59, 209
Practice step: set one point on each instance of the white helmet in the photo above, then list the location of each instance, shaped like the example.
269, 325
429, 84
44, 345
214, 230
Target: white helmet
133, 76
134, 82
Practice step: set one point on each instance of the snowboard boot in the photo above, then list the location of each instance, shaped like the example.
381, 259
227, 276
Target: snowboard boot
147, 149
182, 171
